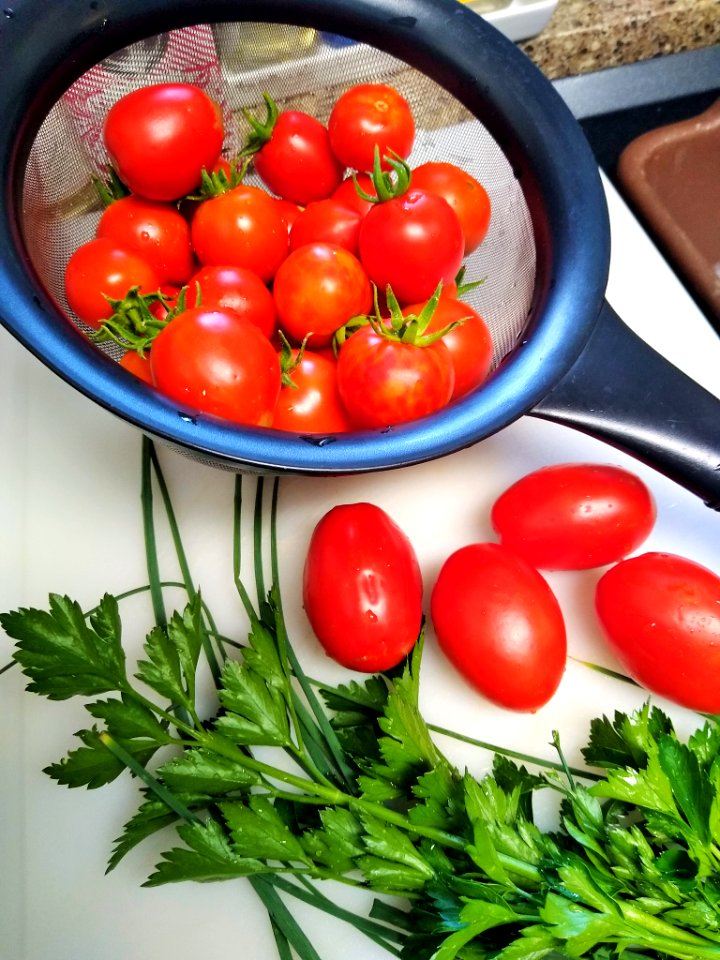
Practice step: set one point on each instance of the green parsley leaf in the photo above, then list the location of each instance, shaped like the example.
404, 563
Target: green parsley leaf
692, 790
260, 833
208, 857
256, 712
261, 654
627, 740
581, 929
476, 917
93, 765
201, 771
151, 816
369, 697
441, 793
385, 840
407, 748
387, 876
126, 719
173, 656
61, 654
338, 843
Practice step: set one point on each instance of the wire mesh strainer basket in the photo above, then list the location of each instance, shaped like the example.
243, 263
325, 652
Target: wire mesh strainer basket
236, 63
477, 102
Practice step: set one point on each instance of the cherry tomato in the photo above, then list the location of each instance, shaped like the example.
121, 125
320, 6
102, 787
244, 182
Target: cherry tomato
156, 231
573, 516
327, 221
384, 382
362, 588
160, 138
661, 616
296, 162
498, 622
217, 362
412, 242
470, 344
102, 268
237, 288
463, 192
137, 365
317, 289
312, 404
243, 227
347, 193
370, 115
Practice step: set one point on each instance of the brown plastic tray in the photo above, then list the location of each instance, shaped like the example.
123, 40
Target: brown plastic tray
672, 176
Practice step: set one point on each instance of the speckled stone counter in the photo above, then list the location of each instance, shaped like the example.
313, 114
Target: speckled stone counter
587, 35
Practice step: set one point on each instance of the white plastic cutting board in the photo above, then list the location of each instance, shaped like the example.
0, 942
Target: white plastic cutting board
70, 522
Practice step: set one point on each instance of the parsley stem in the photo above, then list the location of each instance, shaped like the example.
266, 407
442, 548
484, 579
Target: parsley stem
283, 920
399, 820
566, 768
614, 674
513, 754
134, 591
162, 792
237, 552
380, 933
317, 744
182, 559
257, 541
667, 937
325, 729
151, 555
281, 941
180, 723
226, 748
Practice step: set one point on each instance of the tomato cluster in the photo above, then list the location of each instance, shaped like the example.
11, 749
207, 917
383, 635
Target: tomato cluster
494, 614
310, 284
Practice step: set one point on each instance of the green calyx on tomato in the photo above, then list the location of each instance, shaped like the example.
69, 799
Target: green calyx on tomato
290, 359
399, 327
133, 324
388, 184
260, 130
462, 287
220, 180
111, 189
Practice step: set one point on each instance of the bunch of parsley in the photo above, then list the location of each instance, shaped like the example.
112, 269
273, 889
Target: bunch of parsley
368, 799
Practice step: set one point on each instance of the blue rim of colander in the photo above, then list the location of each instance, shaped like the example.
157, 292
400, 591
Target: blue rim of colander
45, 47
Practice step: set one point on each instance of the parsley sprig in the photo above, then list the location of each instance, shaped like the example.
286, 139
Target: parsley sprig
288, 782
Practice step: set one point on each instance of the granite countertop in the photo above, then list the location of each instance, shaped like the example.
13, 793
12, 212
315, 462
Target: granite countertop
587, 35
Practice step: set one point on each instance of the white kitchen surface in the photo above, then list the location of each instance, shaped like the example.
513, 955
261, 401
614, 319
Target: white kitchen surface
70, 522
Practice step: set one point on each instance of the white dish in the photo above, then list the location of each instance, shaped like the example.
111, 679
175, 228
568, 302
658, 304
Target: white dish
69, 512
519, 19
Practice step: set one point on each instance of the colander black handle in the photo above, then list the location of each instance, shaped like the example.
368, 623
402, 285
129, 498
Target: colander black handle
622, 391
